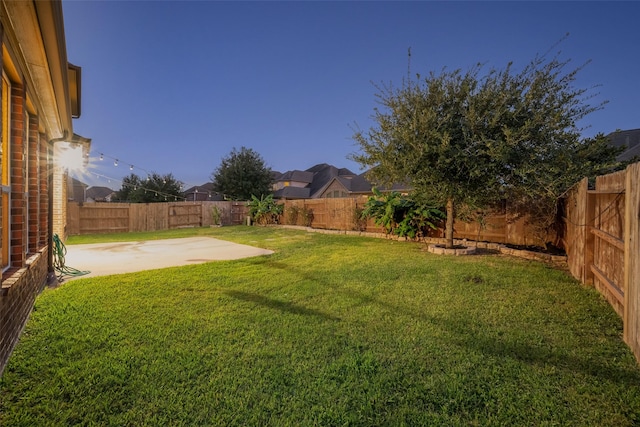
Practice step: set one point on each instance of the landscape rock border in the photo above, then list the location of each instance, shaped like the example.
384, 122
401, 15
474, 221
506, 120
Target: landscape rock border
560, 260
439, 249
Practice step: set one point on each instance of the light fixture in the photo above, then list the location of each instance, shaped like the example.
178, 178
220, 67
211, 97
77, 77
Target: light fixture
115, 162
101, 156
130, 167
69, 156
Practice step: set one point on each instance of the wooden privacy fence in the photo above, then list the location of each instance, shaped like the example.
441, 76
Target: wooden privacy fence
501, 226
98, 218
602, 240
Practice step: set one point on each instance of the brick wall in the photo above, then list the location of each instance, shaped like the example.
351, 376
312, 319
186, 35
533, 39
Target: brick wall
17, 296
28, 271
60, 178
17, 170
33, 185
43, 196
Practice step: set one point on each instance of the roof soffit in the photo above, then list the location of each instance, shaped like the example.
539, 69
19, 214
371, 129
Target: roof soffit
36, 34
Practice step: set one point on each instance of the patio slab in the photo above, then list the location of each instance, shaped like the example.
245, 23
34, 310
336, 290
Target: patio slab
103, 259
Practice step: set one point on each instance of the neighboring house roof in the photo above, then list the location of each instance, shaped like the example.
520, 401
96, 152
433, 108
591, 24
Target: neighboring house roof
292, 193
311, 181
628, 138
320, 177
204, 188
296, 176
202, 192
359, 184
630, 153
323, 174
99, 193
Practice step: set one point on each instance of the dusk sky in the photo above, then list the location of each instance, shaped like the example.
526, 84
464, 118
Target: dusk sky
174, 86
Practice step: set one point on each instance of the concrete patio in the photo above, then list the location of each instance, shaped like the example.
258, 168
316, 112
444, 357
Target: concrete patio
102, 259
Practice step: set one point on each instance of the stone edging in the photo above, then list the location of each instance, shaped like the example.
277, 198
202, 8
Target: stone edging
503, 249
440, 250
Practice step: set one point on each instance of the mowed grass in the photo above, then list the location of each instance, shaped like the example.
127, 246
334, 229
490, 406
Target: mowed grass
330, 330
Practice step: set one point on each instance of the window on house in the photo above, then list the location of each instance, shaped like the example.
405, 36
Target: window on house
5, 184
26, 163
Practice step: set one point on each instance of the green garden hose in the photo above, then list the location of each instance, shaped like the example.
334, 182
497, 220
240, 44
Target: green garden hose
59, 252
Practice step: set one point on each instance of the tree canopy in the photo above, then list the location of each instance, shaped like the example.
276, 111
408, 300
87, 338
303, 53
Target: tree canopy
153, 188
242, 174
475, 138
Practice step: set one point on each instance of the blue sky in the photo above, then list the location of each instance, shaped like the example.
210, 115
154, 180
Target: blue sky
174, 86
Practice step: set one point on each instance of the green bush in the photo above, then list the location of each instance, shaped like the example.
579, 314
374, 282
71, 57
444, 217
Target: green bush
292, 215
216, 216
307, 216
264, 210
359, 221
401, 215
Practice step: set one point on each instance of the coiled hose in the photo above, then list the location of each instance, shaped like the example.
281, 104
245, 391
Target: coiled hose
59, 252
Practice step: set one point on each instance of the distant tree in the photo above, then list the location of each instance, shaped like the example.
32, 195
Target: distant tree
242, 174
153, 188
462, 138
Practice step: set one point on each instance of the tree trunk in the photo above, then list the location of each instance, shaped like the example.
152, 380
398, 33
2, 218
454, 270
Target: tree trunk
448, 231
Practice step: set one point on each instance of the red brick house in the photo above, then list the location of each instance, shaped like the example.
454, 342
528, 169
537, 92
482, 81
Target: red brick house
40, 97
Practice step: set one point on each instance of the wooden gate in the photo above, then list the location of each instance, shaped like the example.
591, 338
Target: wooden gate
185, 215
605, 233
602, 240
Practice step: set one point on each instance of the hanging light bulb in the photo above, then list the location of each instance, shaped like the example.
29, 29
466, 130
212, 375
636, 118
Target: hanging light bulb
115, 162
130, 167
101, 156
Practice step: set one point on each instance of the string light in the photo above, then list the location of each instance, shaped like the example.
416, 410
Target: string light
116, 161
135, 187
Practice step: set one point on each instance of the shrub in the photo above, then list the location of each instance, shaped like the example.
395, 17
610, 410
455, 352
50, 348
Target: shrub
359, 221
292, 215
307, 216
264, 210
401, 215
216, 216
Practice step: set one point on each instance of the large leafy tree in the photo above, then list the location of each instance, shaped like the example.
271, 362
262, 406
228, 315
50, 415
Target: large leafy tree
473, 138
153, 188
242, 174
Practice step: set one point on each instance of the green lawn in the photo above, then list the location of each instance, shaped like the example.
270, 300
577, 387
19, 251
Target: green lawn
330, 330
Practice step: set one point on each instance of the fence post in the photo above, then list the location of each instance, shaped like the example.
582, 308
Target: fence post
631, 318
589, 238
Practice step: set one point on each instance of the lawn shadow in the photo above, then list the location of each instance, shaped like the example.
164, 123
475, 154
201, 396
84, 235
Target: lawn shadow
283, 306
482, 341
